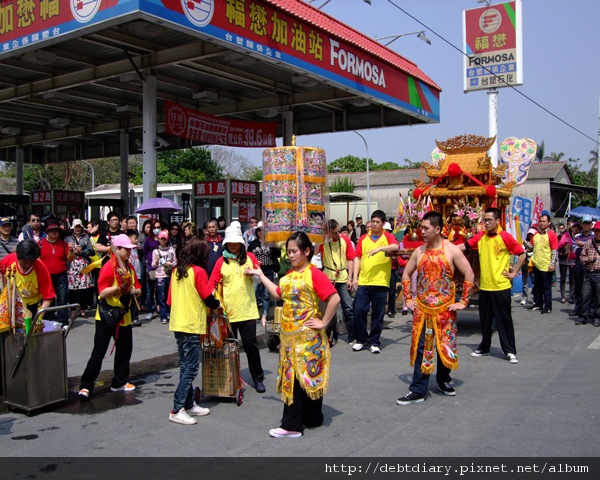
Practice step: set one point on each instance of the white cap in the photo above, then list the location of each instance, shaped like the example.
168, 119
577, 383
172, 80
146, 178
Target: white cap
233, 234
387, 226
76, 222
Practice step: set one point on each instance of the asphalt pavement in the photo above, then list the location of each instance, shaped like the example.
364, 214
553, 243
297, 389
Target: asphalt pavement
546, 405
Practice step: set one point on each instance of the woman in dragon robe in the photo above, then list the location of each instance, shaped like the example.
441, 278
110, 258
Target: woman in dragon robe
304, 357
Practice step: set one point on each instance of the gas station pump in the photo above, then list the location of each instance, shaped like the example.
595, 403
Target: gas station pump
233, 199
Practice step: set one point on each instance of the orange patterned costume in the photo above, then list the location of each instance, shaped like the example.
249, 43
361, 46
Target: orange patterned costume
436, 291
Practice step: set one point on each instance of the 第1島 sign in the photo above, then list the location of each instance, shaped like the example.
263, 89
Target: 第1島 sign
493, 43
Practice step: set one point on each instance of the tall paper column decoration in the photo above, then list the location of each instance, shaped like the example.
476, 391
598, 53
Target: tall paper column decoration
294, 192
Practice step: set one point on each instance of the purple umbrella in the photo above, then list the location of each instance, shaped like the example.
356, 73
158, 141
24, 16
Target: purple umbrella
159, 206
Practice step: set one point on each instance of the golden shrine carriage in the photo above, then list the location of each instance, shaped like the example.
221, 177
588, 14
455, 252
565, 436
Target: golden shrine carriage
461, 176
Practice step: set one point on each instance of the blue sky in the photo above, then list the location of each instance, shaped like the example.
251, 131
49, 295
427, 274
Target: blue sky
561, 73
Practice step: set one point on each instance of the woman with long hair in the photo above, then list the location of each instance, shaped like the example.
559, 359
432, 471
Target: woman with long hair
189, 297
304, 356
239, 300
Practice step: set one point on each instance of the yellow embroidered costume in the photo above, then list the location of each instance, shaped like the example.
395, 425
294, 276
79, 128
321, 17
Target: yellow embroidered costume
304, 352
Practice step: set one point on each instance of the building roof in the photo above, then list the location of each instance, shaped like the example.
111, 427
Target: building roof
545, 170
537, 171
380, 177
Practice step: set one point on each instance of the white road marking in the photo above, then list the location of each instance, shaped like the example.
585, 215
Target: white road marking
595, 344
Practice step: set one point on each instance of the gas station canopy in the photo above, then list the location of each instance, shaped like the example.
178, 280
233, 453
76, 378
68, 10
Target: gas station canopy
72, 72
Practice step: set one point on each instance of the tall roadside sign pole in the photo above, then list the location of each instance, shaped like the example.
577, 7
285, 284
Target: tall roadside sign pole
493, 44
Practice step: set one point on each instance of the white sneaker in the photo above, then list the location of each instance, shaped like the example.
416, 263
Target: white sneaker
523, 302
128, 387
198, 411
281, 433
357, 347
374, 349
512, 358
182, 417
352, 343
149, 317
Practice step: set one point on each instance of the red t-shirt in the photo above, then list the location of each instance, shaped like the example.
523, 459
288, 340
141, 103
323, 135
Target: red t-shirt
34, 285
54, 255
106, 277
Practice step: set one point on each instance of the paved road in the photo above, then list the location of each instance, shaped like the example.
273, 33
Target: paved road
544, 406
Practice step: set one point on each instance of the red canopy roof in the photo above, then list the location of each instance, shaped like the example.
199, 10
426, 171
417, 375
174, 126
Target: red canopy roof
306, 12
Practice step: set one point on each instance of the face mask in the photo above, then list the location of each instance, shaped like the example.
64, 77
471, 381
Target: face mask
156, 231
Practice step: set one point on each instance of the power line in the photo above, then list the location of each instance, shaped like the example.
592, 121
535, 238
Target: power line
428, 28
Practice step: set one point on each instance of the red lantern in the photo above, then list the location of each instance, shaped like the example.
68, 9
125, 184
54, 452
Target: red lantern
417, 193
491, 191
454, 170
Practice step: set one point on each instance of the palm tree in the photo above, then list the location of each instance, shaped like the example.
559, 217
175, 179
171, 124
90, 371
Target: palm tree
556, 156
593, 160
539, 152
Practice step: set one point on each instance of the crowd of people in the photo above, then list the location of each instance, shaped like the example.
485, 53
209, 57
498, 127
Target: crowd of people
177, 272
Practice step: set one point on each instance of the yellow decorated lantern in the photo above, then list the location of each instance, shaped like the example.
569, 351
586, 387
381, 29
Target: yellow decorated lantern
294, 192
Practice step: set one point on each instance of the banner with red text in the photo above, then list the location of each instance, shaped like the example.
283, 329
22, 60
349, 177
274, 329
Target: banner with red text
201, 127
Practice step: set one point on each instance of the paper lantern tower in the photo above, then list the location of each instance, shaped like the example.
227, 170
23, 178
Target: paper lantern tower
294, 192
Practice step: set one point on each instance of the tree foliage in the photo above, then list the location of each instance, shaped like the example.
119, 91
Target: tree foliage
181, 166
233, 164
342, 184
350, 163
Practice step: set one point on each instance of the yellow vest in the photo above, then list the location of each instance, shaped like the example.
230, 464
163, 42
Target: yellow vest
238, 292
542, 253
334, 261
375, 271
188, 310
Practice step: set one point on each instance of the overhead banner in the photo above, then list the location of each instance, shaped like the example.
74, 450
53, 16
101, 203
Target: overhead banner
493, 43
208, 129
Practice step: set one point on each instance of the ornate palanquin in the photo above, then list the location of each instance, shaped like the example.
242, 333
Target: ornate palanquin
465, 171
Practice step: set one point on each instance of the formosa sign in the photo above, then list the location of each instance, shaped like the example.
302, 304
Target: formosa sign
193, 125
261, 29
493, 42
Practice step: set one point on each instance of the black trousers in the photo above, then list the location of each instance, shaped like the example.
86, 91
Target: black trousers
303, 412
123, 349
247, 330
496, 305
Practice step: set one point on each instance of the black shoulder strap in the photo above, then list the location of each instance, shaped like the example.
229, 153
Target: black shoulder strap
4, 247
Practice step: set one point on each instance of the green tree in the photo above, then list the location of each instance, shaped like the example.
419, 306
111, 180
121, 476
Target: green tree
349, 163
540, 152
408, 163
182, 166
342, 184
255, 175
557, 156
386, 166
593, 160
233, 164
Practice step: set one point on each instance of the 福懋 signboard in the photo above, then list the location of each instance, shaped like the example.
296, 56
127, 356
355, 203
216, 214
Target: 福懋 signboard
27, 23
257, 27
493, 45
